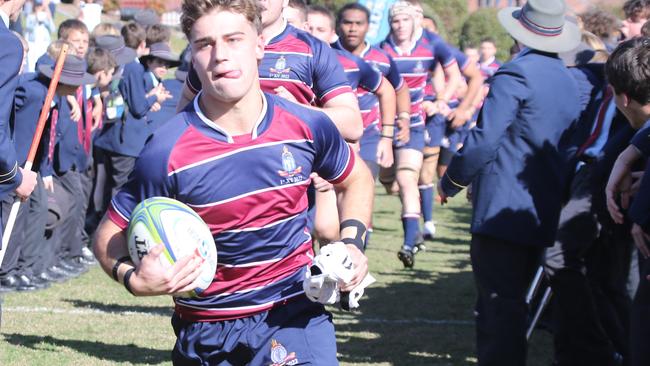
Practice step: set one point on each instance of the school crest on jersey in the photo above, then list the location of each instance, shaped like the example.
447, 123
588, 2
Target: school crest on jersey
280, 66
419, 67
280, 356
290, 170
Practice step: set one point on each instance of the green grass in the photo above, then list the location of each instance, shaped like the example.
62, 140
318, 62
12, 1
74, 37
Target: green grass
409, 317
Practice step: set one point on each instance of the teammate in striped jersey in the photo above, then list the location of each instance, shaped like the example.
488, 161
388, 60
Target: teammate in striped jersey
255, 312
416, 59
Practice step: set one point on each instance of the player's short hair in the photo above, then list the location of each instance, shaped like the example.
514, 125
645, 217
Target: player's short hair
133, 34
352, 6
645, 30
319, 9
628, 70
195, 9
489, 40
299, 5
54, 48
100, 59
71, 25
158, 33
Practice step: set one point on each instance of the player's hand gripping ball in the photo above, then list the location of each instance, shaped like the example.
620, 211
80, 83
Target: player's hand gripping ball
164, 220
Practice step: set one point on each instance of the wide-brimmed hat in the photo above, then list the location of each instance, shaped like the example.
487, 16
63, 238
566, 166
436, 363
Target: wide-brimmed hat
541, 25
115, 45
73, 72
184, 68
162, 51
146, 18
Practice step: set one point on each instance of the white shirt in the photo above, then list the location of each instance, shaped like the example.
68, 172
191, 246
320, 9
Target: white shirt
5, 18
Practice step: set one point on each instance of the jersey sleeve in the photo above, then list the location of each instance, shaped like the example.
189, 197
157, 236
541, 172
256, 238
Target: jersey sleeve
148, 179
393, 74
328, 75
443, 53
461, 59
641, 141
369, 78
334, 157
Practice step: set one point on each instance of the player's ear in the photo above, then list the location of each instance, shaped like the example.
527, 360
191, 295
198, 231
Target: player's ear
259, 47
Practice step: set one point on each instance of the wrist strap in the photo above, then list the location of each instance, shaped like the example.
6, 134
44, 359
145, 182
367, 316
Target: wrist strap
358, 240
120, 260
127, 278
404, 115
387, 137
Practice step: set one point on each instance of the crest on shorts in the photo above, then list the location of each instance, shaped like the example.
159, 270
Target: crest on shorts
288, 164
279, 355
280, 66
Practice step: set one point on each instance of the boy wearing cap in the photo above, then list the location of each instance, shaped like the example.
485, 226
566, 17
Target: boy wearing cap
122, 137
514, 159
70, 164
156, 64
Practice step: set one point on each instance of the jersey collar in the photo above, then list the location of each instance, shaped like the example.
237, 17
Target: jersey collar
261, 125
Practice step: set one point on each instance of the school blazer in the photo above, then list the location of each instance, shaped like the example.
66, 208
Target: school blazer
515, 158
11, 57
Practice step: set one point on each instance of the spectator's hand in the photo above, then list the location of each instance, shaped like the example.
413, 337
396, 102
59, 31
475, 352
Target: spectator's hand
613, 189
320, 184
155, 107
641, 240
75, 108
284, 93
385, 153
27, 185
636, 182
403, 130
360, 266
48, 184
151, 278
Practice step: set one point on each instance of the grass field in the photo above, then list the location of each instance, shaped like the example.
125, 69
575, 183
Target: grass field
409, 317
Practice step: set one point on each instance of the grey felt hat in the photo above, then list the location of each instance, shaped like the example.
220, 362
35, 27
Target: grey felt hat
73, 71
541, 25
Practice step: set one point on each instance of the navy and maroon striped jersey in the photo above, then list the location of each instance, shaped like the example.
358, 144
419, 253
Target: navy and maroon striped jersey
415, 66
251, 192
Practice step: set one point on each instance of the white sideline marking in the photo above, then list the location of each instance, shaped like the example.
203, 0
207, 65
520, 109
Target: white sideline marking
25, 309
339, 319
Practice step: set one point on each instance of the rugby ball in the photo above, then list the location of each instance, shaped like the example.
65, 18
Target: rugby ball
182, 231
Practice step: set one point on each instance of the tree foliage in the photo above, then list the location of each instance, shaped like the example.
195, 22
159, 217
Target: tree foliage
484, 23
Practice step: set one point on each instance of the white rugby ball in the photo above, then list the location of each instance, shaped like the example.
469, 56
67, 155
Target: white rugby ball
164, 220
